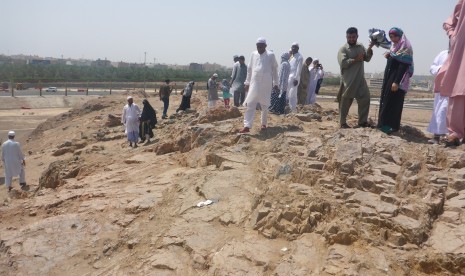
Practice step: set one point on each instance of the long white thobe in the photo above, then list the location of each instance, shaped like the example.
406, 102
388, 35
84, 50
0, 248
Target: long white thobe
12, 158
262, 75
296, 63
438, 124
312, 82
437, 64
130, 118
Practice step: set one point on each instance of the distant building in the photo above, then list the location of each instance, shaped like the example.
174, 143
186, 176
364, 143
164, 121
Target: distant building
39, 61
195, 67
160, 66
129, 65
5, 60
211, 67
101, 63
81, 62
59, 61
178, 67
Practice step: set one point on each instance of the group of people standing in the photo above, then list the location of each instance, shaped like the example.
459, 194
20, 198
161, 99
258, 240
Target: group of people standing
448, 118
264, 86
138, 124
399, 69
267, 89
235, 88
298, 82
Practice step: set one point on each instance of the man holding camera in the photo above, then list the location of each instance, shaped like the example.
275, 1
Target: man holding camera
321, 75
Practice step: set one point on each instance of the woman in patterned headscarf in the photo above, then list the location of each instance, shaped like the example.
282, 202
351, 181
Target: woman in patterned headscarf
399, 69
278, 97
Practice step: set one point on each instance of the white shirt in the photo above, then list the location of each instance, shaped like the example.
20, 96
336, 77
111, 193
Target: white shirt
130, 117
296, 63
313, 80
262, 75
438, 62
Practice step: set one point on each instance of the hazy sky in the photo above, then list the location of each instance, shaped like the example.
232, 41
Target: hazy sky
184, 31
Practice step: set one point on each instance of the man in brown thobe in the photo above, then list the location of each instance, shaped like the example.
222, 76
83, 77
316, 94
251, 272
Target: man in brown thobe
304, 76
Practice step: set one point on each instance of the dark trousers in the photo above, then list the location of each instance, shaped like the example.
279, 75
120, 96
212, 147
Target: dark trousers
239, 96
166, 104
318, 86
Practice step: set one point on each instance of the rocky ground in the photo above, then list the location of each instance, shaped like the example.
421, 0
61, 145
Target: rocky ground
301, 198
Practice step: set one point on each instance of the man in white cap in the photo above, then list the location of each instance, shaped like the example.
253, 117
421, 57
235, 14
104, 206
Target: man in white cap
212, 91
130, 119
13, 161
262, 76
296, 61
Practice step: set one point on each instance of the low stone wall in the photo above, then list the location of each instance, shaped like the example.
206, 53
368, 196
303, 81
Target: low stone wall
33, 102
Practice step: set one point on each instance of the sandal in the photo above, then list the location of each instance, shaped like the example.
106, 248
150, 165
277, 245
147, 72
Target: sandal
452, 141
245, 130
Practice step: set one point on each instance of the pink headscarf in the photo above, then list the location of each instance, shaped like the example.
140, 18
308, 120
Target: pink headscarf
402, 51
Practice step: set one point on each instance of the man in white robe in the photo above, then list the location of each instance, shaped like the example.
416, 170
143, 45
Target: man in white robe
13, 161
313, 81
296, 63
130, 119
262, 76
438, 123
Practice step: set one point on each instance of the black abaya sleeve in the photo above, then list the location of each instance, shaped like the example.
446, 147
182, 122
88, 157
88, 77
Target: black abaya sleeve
403, 67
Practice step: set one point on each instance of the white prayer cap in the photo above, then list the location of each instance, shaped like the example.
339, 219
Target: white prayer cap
215, 75
11, 133
261, 40
129, 97
295, 44
316, 59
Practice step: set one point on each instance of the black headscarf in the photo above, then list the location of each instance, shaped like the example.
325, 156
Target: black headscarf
148, 113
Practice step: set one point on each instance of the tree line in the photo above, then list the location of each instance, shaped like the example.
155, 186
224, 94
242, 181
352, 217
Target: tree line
35, 73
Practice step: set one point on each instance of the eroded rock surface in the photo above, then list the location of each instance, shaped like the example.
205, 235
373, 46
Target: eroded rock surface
301, 198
